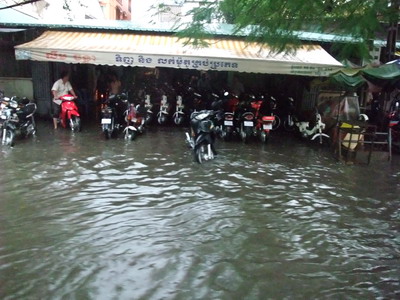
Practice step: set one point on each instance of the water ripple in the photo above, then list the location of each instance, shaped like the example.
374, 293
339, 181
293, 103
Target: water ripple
85, 218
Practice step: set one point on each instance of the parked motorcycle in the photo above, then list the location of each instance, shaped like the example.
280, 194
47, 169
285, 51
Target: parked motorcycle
246, 127
277, 119
162, 116
195, 101
313, 132
69, 114
112, 115
217, 107
202, 135
179, 115
135, 123
229, 121
288, 123
263, 122
149, 113
4, 102
18, 120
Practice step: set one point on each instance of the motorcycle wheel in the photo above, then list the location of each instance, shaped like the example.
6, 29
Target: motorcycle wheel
130, 135
322, 141
75, 123
9, 138
161, 120
226, 135
31, 130
200, 153
107, 134
178, 121
276, 123
287, 126
246, 134
149, 119
264, 136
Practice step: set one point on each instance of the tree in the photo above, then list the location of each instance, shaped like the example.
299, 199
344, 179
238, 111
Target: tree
278, 22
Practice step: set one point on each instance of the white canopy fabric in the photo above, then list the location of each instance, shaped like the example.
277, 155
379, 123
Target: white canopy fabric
144, 50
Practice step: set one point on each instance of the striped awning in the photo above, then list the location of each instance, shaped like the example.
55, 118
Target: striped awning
145, 50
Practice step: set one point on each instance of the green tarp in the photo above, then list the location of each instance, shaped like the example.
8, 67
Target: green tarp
355, 77
351, 81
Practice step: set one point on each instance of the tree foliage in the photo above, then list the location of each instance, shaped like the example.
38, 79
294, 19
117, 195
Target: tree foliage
278, 22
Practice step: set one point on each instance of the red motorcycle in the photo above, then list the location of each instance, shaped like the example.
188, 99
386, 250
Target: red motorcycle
134, 123
229, 123
263, 122
69, 115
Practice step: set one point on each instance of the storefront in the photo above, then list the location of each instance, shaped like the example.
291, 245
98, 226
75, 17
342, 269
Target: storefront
145, 50
166, 52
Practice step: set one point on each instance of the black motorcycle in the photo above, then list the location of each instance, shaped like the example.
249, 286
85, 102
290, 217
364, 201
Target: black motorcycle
229, 124
288, 122
112, 115
246, 122
202, 135
17, 120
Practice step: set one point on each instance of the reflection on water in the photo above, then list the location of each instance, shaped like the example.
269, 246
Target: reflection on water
85, 218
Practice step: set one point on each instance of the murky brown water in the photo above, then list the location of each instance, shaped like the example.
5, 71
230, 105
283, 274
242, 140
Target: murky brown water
85, 218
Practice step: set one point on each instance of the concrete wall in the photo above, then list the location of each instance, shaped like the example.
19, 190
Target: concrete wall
14, 86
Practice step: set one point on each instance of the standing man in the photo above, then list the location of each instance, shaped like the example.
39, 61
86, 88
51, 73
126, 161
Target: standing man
114, 85
61, 87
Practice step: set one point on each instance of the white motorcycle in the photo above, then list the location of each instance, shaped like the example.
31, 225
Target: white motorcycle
313, 132
149, 113
179, 115
162, 115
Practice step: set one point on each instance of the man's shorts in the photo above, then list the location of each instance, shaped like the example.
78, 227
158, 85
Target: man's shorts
56, 109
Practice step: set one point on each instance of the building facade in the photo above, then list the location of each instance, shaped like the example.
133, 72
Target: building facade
116, 9
163, 11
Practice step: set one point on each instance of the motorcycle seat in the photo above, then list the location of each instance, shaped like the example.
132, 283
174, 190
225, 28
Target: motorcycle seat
28, 110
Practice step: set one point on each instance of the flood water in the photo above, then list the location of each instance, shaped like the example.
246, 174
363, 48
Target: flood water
86, 218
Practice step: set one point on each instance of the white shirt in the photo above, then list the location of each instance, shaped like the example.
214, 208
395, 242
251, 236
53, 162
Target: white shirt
60, 88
